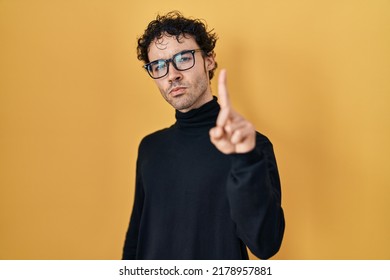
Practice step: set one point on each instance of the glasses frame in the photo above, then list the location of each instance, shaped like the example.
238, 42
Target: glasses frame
172, 59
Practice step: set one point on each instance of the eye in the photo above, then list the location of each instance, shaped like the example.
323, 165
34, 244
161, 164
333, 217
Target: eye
158, 66
184, 57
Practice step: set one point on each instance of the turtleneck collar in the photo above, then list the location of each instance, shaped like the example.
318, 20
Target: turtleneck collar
200, 119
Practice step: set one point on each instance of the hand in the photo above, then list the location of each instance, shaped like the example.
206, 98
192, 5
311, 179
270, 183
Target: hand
233, 133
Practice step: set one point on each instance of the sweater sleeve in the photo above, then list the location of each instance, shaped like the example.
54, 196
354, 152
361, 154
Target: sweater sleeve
131, 240
254, 195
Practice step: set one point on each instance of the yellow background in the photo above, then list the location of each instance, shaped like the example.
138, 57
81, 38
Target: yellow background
314, 76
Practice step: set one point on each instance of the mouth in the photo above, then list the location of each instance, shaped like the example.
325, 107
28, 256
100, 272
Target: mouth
177, 91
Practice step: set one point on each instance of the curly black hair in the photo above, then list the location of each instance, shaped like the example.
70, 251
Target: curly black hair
175, 24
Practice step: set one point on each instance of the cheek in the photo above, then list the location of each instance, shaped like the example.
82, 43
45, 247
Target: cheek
160, 86
200, 81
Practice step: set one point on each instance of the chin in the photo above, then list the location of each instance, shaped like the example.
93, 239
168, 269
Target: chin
181, 106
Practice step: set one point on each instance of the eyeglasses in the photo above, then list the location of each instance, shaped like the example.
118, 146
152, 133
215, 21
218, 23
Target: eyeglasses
181, 61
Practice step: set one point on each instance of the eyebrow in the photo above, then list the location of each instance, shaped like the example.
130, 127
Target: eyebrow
185, 50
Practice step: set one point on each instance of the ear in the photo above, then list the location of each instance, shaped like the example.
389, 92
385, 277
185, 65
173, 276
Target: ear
210, 61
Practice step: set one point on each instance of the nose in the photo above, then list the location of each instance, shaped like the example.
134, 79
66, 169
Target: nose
174, 74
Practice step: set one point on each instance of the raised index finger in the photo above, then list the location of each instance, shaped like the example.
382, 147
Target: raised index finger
223, 95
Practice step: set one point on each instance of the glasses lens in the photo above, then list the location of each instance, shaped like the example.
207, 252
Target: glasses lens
158, 68
184, 60
181, 61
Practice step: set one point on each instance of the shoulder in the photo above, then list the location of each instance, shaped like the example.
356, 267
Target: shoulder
264, 144
156, 138
262, 140
157, 135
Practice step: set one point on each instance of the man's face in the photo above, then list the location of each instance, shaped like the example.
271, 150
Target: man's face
184, 90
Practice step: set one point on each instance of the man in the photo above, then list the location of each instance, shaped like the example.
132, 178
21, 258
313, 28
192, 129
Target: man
208, 186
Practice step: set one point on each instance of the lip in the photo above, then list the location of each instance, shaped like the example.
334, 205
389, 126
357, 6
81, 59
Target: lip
177, 91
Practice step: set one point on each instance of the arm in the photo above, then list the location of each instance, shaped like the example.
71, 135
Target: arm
131, 241
253, 186
254, 195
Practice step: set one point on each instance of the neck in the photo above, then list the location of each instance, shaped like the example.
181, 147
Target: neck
203, 99
199, 119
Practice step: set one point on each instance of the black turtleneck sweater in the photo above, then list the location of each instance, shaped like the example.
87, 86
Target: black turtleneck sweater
193, 202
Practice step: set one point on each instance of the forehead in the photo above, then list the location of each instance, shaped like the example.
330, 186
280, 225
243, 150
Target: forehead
167, 46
